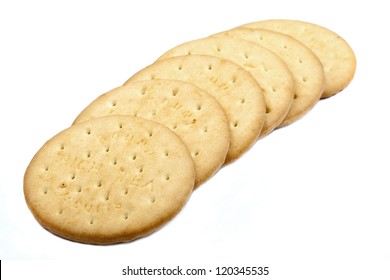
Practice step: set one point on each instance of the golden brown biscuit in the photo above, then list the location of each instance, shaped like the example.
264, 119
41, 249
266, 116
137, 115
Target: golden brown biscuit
271, 73
233, 87
303, 63
336, 56
108, 180
195, 116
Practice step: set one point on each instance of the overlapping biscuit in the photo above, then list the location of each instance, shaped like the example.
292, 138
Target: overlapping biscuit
132, 158
272, 74
195, 116
336, 56
233, 87
109, 180
303, 63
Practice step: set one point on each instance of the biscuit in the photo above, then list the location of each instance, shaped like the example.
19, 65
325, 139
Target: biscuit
233, 87
108, 180
303, 63
195, 116
272, 74
336, 56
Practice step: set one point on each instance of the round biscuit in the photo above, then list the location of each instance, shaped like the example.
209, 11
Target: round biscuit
272, 74
336, 56
233, 87
108, 180
195, 116
304, 65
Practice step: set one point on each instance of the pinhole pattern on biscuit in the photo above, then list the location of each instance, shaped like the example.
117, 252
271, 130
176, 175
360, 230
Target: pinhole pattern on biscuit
182, 107
266, 67
334, 53
232, 86
308, 77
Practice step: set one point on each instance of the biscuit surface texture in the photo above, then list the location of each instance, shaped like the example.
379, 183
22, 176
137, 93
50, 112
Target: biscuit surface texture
303, 63
336, 56
108, 180
272, 74
233, 87
195, 116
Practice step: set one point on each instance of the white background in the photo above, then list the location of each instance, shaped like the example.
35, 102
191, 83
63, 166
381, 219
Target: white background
311, 200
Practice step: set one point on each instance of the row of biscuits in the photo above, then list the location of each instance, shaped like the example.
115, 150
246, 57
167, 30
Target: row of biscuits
132, 158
